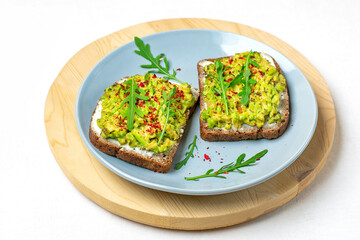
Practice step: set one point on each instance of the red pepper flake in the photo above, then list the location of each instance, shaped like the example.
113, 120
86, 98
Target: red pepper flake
257, 159
216, 172
164, 88
154, 76
226, 172
207, 148
229, 80
230, 60
179, 69
267, 69
252, 90
141, 103
179, 93
240, 110
141, 84
218, 153
206, 156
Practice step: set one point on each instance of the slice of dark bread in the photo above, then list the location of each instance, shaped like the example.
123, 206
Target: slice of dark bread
269, 131
156, 162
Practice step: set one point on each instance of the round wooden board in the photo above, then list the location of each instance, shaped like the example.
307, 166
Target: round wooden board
168, 210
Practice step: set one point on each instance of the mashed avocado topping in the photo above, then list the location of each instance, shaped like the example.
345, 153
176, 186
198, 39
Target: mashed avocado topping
149, 123
264, 97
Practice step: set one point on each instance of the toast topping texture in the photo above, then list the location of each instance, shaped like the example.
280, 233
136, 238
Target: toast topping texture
141, 146
267, 113
95, 128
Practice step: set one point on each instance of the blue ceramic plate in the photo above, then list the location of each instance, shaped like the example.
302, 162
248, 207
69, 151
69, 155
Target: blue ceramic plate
184, 48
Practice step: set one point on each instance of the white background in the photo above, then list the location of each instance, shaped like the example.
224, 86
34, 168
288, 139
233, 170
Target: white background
38, 37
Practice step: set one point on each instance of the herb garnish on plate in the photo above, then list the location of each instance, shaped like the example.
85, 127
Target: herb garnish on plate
144, 51
188, 154
230, 167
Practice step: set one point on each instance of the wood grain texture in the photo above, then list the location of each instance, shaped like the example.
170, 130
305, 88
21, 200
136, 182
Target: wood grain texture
169, 210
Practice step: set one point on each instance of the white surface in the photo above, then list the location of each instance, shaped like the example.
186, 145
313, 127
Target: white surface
38, 37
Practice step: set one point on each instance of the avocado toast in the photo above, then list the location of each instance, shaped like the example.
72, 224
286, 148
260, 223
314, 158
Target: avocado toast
240, 105
141, 119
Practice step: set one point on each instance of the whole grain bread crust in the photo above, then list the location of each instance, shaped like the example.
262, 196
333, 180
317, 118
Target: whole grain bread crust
157, 162
214, 135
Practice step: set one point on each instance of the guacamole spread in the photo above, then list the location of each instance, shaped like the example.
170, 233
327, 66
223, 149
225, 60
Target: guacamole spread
264, 97
149, 123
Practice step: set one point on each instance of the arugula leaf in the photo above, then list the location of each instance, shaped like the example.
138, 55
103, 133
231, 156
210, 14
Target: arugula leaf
167, 109
144, 51
246, 90
254, 63
222, 84
238, 77
129, 113
189, 154
230, 167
